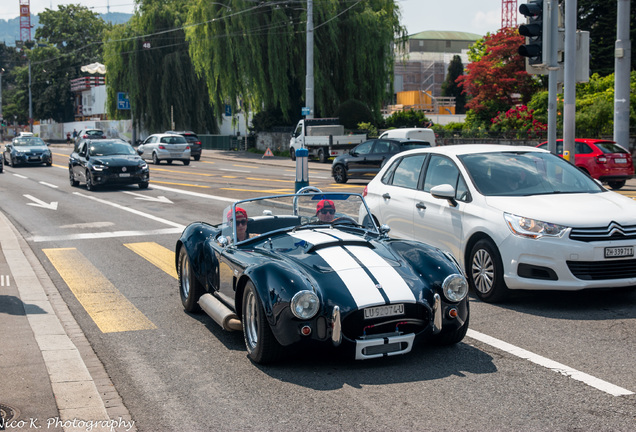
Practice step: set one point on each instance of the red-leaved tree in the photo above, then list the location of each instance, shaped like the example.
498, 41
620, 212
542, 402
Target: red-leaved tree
496, 79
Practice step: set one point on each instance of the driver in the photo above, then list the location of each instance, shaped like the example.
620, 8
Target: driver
241, 223
325, 210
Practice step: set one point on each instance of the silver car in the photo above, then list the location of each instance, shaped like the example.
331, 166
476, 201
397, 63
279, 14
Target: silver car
166, 147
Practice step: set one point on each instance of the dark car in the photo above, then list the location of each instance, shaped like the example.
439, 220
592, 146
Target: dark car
112, 161
603, 160
365, 160
89, 134
193, 140
307, 271
27, 150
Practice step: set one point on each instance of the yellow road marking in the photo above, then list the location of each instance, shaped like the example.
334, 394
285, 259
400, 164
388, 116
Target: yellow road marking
270, 180
108, 308
180, 184
260, 190
156, 254
244, 166
184, 172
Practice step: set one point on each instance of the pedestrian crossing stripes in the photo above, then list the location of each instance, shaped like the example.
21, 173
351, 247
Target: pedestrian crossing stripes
108, 308
5, 280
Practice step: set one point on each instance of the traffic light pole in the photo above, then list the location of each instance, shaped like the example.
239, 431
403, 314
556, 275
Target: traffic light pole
569, 81
553, 68
622, 61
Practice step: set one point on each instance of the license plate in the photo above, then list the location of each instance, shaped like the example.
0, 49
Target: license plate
620, 160
619, 251
34, 158
383, 311
124, 174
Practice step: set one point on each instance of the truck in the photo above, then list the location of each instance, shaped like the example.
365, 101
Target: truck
323, 138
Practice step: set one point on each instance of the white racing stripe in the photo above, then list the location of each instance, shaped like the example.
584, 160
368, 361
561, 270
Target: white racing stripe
597, 383
362, 288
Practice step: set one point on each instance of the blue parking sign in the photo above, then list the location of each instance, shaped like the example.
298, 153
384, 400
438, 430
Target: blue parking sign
123, 103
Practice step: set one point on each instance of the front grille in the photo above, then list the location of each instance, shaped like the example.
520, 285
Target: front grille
613, 231
603, 270
416, 319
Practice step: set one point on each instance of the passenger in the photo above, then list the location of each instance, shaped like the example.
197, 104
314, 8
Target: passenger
325, 210
241, 223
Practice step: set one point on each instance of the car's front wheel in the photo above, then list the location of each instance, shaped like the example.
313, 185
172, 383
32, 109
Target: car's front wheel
143, 185
262, 346
71, 178
89, 181
485, 272
616, 184
339, 174
190, 290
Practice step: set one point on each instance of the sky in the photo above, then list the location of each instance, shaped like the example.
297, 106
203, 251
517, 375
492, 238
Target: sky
472, 16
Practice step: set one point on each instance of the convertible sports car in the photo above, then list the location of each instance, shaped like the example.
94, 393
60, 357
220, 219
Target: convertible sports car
306, 270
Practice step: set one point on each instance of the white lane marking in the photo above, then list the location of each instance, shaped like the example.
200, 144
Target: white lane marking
137, 212
20, 176
88, 225
597, 383
48, 184
39, 203
235, 170
196, 194
392, 283
103, 235
161, 199
3, 278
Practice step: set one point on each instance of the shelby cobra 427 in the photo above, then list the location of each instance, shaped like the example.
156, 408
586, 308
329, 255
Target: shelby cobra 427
315, 266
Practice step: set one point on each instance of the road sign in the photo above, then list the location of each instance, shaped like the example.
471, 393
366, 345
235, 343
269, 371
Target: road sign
123, 103
305, 111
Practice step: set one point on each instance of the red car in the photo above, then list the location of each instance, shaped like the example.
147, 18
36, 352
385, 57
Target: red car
604, 160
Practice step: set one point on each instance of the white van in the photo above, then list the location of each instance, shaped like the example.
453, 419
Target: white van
422, 134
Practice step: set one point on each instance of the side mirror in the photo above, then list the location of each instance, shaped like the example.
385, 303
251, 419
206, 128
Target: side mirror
444, 191
140, 150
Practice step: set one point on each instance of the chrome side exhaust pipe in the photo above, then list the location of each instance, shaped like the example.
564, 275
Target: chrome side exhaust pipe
220, 313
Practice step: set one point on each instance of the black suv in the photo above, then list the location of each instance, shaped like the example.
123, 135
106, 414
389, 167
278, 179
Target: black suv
193, 140
365, 160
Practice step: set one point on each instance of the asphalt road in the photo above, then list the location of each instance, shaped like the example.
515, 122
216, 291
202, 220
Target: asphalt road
539, 362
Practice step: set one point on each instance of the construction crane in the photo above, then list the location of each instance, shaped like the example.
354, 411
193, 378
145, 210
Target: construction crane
508, 13
25, 20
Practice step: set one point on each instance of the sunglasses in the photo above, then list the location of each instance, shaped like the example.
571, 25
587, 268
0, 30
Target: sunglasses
241, 222
326, 211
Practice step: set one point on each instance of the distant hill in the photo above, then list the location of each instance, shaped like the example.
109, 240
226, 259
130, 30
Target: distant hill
10, 29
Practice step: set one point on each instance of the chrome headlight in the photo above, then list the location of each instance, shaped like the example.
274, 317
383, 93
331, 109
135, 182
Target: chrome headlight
305, 304
97, 167
532, 228
455, 287
143, 165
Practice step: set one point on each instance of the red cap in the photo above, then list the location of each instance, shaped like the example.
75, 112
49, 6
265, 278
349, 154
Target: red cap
239, 211
328, 204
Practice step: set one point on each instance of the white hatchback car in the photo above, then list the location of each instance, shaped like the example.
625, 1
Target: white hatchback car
515, 217
166, 147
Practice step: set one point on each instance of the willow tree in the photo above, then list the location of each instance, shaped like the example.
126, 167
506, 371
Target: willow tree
254, 53
148, 59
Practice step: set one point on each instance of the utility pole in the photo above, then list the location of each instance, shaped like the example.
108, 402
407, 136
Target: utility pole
622, 61
553, 68
30, 100
309, 79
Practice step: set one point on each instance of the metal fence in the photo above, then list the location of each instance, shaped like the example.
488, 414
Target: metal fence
227, 142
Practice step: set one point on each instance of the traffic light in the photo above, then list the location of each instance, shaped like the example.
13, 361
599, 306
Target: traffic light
536, 30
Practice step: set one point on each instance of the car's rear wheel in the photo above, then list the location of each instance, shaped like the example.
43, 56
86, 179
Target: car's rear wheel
190, 290
186, 161
339, 174
196, 158
292, 154
262, 346
485, 272
89, 181
322, 156
155, 159
616, 184
71, 178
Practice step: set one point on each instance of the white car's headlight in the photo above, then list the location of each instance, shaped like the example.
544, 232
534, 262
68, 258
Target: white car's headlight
455, 287
305, 304
532, 228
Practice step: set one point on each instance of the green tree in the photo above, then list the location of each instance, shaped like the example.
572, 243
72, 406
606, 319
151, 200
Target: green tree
148, 59
410, 118
450, 87
254, 53
599, 18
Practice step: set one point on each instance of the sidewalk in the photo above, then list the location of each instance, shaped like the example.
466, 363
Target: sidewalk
51, 379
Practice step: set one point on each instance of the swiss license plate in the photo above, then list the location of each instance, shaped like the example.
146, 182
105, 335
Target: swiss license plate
620, 160
384, 311
619, 251
124, 174
34, 158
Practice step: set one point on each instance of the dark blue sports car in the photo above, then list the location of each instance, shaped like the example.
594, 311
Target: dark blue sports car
315, 266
